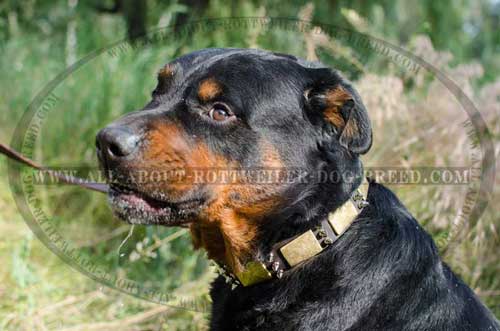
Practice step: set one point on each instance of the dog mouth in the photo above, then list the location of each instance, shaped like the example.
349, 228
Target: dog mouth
136, 207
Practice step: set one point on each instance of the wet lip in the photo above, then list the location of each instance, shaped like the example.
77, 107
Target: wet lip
137, 207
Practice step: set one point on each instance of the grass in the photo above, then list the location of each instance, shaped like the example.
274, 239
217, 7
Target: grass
415, 119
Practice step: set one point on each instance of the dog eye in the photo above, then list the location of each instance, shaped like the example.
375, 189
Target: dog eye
219, 112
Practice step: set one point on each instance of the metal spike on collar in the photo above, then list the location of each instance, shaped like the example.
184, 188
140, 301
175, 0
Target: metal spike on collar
229, 278
270, 257
234, 282
357, 196
328, 241
362, 204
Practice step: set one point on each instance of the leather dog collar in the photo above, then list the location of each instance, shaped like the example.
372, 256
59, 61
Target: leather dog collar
286, 254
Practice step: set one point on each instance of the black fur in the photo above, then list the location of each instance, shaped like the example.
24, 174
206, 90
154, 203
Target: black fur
384, 273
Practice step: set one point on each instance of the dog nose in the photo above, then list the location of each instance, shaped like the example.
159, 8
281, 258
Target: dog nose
115, 142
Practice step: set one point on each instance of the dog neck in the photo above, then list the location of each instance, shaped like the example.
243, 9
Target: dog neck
239, 240
288, 250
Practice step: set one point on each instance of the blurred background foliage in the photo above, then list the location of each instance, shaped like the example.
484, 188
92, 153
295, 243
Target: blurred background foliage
417, 122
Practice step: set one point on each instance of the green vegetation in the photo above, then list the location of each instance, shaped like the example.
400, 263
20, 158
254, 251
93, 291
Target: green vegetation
417, 122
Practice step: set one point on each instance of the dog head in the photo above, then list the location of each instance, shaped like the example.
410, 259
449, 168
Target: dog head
230, 138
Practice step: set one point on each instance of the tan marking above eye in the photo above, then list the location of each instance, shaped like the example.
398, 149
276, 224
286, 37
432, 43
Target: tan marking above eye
165, 78
209, 89
166, 72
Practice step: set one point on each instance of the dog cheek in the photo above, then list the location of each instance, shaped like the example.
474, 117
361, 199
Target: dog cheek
169, 148
229, 226
163, 159
256, 193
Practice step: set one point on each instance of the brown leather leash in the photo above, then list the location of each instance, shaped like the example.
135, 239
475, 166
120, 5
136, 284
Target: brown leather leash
16, 156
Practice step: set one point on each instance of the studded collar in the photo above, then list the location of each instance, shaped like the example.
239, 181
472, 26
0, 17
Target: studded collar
287, 254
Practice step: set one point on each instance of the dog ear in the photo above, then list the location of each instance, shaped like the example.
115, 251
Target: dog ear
333, 102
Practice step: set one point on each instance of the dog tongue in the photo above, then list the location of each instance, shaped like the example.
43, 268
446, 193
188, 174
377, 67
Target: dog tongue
146, 205
138, 209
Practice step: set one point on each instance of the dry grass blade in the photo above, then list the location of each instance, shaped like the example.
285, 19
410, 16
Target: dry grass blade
120, 324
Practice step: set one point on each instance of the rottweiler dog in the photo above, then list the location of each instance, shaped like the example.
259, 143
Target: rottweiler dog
301, 252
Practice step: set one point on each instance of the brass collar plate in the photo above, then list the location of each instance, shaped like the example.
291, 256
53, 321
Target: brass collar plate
302, 247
